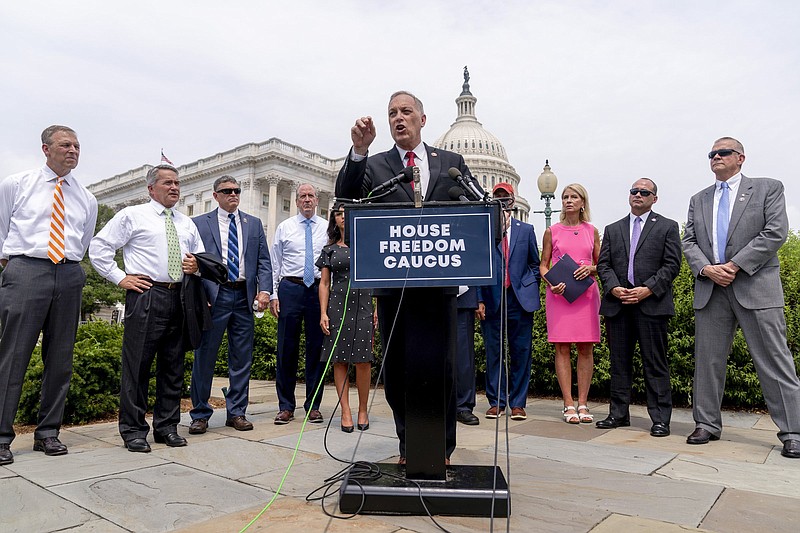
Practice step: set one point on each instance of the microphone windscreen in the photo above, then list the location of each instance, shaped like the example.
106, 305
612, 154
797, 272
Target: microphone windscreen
454, 172
408, 175
455, 192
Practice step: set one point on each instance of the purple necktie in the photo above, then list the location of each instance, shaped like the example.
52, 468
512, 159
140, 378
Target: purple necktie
637, 232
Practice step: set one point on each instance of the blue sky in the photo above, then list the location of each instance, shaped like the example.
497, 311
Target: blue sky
607, 91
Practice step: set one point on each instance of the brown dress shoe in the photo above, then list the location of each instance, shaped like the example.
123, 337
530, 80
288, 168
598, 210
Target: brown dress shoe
284, 417
315, 417
50, 446
494, 412
700, 436
518, 413
239, 423
198, 426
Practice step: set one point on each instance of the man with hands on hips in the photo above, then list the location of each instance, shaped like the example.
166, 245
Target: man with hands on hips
157, 244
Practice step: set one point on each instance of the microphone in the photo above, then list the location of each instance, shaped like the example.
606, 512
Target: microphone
417, 186
456, 193
404, 177
465, 184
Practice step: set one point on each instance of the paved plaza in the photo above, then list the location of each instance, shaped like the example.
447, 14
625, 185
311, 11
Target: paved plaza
562, 477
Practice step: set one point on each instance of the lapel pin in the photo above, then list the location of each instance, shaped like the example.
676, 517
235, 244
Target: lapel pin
434, 154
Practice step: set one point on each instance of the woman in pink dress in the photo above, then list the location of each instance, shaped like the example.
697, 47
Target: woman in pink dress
577, 322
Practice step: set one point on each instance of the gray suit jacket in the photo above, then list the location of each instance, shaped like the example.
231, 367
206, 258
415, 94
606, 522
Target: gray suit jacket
657, 261
758, 227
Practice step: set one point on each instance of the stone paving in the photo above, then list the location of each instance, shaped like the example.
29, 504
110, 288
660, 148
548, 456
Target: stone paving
571, 478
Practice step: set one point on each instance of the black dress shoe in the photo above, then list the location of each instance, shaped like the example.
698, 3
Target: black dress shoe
198, 426
137, 445
791, 449
348, 429
659, 430
172, 440
6, 457
466, 417
700, 436
363, 427
50, 446
610, 422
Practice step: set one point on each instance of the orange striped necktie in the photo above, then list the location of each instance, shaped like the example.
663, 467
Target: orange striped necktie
55, 248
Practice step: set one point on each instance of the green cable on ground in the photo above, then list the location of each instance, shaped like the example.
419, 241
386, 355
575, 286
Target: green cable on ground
305, 419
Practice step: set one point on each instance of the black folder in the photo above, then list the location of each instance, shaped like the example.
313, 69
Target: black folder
564, 272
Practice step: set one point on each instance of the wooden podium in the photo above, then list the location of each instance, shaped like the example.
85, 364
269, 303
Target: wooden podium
424, 254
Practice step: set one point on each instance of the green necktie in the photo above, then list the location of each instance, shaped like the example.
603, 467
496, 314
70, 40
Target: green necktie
173, 247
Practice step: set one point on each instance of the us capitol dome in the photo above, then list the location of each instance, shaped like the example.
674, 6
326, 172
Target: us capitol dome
483, 152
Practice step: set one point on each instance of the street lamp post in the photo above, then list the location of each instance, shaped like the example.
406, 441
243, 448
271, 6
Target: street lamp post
547, 184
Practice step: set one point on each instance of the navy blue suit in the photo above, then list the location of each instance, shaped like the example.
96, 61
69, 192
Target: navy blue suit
231, 310
522, 299
465, 351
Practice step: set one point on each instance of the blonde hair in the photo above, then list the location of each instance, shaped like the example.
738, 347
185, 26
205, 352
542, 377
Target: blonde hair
585, 214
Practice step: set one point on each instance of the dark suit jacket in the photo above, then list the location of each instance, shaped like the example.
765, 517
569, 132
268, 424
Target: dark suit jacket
257, 265
356, 180
523, 269
758, 228
194, 300
657, 261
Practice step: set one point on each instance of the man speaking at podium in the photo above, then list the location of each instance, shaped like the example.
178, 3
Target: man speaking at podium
360, 175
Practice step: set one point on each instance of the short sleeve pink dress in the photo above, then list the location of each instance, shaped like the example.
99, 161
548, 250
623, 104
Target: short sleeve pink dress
578, 321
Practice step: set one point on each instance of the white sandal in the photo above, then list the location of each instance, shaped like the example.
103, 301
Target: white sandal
586, 417
571, 417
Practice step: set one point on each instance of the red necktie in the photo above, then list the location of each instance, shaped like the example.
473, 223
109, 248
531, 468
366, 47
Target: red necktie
507, 279
411, 163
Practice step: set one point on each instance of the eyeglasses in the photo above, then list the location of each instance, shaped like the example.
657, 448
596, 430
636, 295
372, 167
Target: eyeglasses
643, 192
725, 152
230, 191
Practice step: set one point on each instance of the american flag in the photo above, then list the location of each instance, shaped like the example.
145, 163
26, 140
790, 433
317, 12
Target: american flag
164, 158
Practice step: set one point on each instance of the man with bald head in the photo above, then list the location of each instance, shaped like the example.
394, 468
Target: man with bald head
47, 219
639, 259
734, 230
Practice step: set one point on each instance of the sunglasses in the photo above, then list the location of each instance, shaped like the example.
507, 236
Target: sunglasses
643, 192
230, 191
725, 152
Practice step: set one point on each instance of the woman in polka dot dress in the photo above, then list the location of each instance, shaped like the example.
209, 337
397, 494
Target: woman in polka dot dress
348, 331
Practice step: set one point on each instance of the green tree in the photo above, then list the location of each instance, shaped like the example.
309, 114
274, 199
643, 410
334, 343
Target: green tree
98, 291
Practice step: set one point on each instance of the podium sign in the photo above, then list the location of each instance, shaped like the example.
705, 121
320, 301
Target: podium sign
442, 246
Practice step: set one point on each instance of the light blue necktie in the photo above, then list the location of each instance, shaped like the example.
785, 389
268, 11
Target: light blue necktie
637, 232
308, 268
723, 214
233, 249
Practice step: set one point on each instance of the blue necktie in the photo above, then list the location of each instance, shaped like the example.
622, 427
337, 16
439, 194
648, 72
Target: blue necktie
637, 232
308, 268
723, 214
233, 249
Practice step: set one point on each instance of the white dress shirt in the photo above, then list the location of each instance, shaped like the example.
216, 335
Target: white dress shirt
733, 185
26, 206
140, 231
289, 247
224, 228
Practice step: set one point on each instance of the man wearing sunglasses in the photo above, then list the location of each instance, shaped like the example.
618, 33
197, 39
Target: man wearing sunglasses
239, 239
639, 259
734, 230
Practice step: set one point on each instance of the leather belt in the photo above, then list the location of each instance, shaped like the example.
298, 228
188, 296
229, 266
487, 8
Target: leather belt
64, 261
298, 281
235, 285
171, 285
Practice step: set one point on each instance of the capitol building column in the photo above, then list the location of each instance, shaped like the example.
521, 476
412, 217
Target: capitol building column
272, 222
